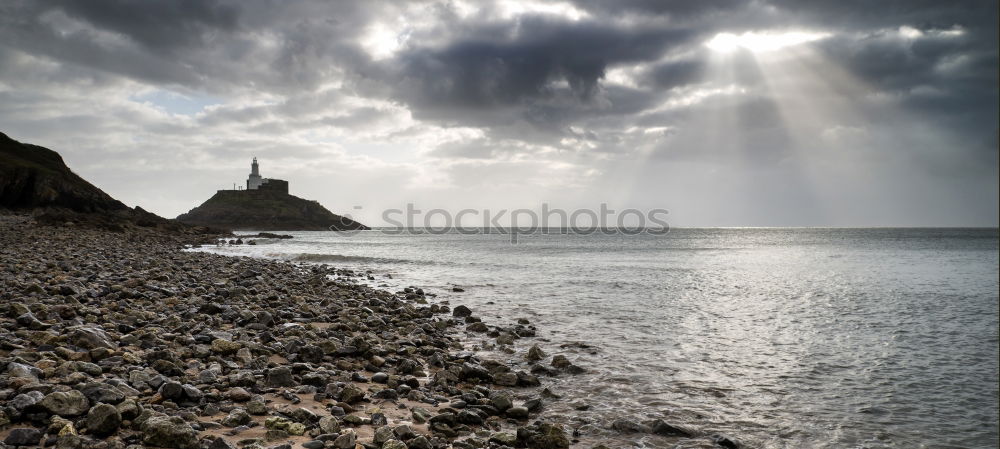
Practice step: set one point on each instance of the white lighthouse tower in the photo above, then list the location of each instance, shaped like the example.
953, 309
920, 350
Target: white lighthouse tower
254, 180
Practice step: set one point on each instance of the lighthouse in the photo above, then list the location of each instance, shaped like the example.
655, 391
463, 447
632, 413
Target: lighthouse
254, 180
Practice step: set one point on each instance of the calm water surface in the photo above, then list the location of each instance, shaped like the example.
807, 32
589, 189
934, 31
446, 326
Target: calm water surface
783, 338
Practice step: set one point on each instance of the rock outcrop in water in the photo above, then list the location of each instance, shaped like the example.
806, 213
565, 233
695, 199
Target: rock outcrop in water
266, 210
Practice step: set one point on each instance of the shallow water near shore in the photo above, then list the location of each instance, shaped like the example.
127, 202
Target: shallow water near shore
782, 338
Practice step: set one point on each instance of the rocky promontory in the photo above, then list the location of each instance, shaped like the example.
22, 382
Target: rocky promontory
266, 210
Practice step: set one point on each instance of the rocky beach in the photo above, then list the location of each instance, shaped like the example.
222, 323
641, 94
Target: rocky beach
115, 333
122, 339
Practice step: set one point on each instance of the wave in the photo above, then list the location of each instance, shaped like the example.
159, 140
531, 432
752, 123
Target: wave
335, 258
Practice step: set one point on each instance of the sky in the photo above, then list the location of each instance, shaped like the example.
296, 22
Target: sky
725, 113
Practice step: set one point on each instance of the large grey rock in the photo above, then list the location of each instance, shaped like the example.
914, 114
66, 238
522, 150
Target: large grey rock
394, 444
383, 434
629, 426
221, 443
25, 436
501, 400
535, 354
26, 400
29, 321
351, 394
102, 392
329, 424
70, 403
346, 441
103, 420
170, 432
661, 427
172, 390
23, 371
129, 409
239, 394
237, 417
545, 436
419, 442
517, 413
89, 337
280, 377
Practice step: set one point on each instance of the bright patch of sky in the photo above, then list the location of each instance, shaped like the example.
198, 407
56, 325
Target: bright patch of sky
176, 103
761, 42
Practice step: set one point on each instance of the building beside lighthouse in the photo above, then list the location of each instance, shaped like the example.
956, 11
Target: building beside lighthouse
256, 182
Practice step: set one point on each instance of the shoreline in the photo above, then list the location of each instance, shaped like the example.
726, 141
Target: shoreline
114, 339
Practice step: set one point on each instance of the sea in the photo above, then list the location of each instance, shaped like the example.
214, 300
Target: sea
775, 337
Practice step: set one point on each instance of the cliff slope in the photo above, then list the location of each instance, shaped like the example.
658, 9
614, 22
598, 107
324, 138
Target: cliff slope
35, 179
32, 177
264, 210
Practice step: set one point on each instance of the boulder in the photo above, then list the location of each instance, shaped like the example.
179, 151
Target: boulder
543, 436
223, 346
535, 354
329, 424
70, 403
102, 392
26, 401
280, 377
660, 427
169, 432
103, 420
394, 444
24, 436
89, 337
346, 440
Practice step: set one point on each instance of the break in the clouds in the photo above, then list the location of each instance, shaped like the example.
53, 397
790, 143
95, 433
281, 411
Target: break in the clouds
724, 112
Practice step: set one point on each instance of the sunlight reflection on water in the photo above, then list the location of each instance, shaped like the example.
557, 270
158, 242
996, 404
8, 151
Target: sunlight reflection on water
784, 338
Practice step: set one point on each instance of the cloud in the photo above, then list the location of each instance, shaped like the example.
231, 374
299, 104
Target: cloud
566, 98
161, 26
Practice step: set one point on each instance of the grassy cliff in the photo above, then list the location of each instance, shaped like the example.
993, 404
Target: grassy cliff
34, 177
35, 180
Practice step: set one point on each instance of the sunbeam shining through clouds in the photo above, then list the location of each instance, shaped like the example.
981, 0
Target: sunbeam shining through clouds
761, 42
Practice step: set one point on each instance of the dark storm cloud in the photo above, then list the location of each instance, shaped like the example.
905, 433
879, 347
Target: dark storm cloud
892, 62
475, 72
159, 25
863, 14
212, 46
672, 74
486, 69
